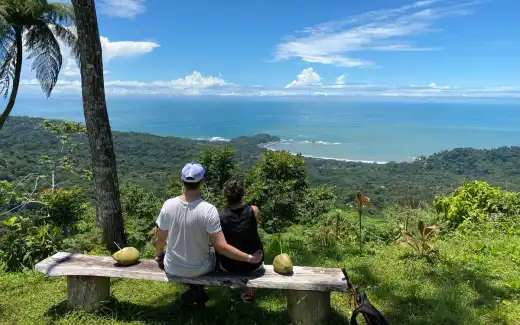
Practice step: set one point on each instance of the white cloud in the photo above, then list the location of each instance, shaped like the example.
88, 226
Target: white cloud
341, 79
307, 83
111, 50
194, 80
116, 49
433, 85
122, 8
382, 30
306, 78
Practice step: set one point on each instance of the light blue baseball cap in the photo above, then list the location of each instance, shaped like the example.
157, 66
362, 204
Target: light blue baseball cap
193, 172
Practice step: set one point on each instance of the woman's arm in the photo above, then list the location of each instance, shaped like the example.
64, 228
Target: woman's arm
257, 212
221, 246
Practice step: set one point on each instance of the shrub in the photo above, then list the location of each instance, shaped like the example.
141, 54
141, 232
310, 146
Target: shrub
477, 201
140, 211
277, 184
6, 193
316, 202
63, 207
22, 244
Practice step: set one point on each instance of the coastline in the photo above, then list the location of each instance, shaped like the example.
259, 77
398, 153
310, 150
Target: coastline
268, 146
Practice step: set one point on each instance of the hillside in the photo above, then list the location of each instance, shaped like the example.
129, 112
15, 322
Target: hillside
151, 161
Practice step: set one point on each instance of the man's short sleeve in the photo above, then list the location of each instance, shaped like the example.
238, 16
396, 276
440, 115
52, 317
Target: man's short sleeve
213, 221
163, 221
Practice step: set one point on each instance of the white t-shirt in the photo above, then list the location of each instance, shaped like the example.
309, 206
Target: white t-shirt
188, 252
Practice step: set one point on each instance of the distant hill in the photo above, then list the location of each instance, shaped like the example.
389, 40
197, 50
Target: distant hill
152, 161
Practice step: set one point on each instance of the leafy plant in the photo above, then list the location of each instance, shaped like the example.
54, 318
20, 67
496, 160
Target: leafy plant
63, 207
422, 243
7, 193
140, 211
277, 185
36, 27
361, 200
65, 158
23, 244
477, 201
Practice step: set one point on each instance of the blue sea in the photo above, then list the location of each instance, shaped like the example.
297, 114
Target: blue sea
372, 131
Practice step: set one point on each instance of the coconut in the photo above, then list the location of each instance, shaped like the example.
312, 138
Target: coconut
282, 264
126, 256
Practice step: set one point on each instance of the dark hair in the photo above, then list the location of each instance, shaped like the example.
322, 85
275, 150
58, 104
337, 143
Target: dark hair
192, 186
234, 190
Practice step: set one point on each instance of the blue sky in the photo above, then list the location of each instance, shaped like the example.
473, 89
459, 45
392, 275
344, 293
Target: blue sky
373, 48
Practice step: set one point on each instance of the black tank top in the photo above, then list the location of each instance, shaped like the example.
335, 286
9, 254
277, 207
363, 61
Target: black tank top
240, 229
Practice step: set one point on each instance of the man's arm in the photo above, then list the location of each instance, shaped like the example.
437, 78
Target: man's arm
221, 246
161, 241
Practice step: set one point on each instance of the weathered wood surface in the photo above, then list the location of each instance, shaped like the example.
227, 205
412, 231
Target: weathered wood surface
304, 278
87, 292
308, 307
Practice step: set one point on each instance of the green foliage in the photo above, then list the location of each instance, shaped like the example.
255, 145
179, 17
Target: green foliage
334, 227
23, 244
476, 202
88, 237
219, 166
140, 211
36, 27
174, 188
422, 243
66, 156
153, 161
277, 184
315, 202
63, 207
7, 193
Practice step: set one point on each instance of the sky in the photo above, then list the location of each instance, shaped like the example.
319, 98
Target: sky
373, 48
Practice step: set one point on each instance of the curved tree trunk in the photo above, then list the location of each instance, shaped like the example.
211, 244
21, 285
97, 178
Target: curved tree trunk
109, 214
16, 81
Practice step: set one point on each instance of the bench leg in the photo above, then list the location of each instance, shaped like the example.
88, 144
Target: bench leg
87, 292
308, 307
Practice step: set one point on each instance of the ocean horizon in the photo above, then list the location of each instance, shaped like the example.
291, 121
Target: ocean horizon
368, 131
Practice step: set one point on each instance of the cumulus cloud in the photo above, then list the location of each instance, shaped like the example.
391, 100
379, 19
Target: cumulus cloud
116, 49
194, 80
308, 83
122, 8
341, 79
336, 42
111, 50
306, 78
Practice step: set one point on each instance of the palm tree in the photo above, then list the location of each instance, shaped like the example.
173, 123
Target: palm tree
37, 25
109, 213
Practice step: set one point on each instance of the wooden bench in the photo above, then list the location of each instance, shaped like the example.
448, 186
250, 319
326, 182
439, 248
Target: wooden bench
88, 280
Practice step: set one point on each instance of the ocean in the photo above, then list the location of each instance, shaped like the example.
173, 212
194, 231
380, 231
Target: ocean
371, 131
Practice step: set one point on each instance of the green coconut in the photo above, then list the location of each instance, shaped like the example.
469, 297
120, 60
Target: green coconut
126, 256
282, 264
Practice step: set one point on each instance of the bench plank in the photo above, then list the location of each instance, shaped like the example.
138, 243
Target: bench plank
304, 278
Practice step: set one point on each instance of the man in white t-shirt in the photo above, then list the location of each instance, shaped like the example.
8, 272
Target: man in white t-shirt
187, 224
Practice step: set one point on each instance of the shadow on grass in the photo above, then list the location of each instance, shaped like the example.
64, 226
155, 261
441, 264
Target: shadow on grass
225, 307
446, 304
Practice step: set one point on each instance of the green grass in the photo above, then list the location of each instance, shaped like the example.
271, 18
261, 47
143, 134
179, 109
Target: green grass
474, 280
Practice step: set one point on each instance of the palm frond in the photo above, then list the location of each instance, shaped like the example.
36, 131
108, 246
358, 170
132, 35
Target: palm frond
59, 13
45, 50
4, 24
8, 61
69, 38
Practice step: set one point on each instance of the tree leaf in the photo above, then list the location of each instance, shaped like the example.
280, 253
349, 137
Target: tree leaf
428, 231
420, 226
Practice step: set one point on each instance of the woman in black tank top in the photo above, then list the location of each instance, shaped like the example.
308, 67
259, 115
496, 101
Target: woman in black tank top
240, 227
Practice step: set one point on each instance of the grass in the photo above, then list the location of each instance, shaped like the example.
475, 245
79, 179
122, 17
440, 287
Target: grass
474, 280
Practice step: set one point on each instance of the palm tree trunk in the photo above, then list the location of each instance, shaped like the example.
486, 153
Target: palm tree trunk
109, 213
16, 81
